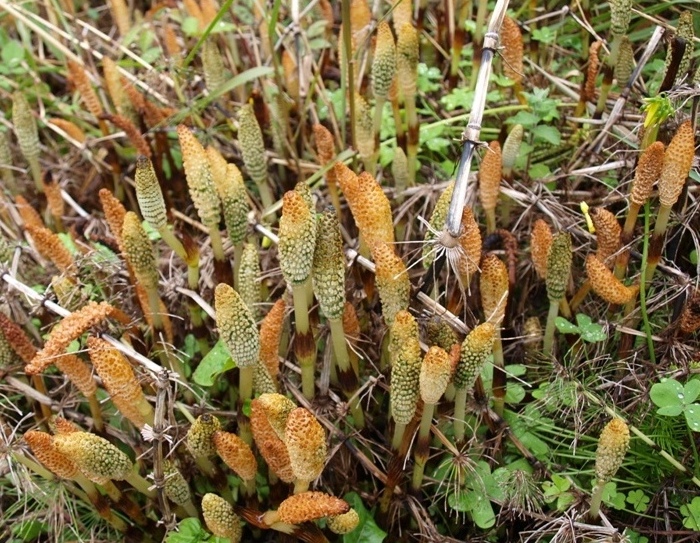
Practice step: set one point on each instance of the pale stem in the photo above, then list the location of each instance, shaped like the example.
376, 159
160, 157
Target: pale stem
549, 331
460, 414
423, 438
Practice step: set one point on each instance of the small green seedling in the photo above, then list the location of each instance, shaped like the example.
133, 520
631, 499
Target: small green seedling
672, 398
217, 361
691, 514
589, 331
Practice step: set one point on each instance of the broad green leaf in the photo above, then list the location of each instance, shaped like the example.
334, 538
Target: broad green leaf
12, 53
691, 391
692, 416
367, 530
566, 327
691, 514
592, 332
546, 133
539, 171
217, 361
583, 320
190, 530
482, 511
612, 497
638, 500
514, 393
669, 396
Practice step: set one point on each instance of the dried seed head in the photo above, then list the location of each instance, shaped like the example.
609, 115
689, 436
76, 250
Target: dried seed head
690, 318
220, 518
540, 242
212, 65
360, 19
625, 62
490, 176
113, 83
114, 214
149, 195
217, 165
494, 288
407, 54
678, 160
512, 49
277, 409
234, 198
329, 266
612, 447
308, 506
52, 248
608, 233
306, 443
647, 173
325, 146
176, 488
435, 373
401, 13
364, 127
605, 284
437, 224
139, 252
17, 339
133, 133
303, 189
236, 454
25, 127
270, 334
210, 9
29, 215
297, 235
200, 436
406, 366
351, 324
589, 86
291, 74
96, 457
78, 372
345, 523
511, 149
558, 266
237, 326
199, 178
119, 380
470, 248
54, 200
392, 281
248, 282
81, 82
620, 15
476, 348
50, 457
69, 329
252, 146
384, 62
271, 447
193, 10
71, 129
170, 41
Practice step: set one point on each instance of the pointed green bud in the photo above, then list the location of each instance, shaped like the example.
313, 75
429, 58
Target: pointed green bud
237, 327
558, 266
384, 62
297, 235
329, 266
476, 348
252, 145
149, 195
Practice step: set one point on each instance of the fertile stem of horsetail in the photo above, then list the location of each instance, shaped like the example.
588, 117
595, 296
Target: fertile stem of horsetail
27, 136
305, 439
470, 136
558, 271
512, 56
152, 206
494, 296
329, 285
364, 134
678, 159
646, 174
405, 373
490, 183
297, 235
620, 14
347, 81
612, 446
220, 518
44, 450
252, 146
239, 333
200, 442
407, 54
383, 70
435, 374
201, 186
325, 148
476, 348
